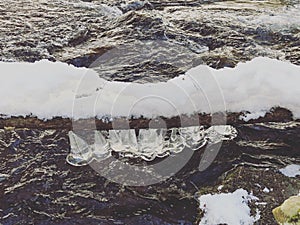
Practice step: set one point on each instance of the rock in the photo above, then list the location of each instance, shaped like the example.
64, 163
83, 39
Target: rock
288, 212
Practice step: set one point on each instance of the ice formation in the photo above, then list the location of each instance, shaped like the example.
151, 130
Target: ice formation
148, 144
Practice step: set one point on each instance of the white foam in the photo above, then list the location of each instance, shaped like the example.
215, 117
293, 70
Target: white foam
102, 9
285, 19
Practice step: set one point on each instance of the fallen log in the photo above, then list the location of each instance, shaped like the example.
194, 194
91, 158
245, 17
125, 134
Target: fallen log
277, 114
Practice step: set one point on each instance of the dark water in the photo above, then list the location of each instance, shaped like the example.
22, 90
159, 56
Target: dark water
143, 42
37, 186
149, 41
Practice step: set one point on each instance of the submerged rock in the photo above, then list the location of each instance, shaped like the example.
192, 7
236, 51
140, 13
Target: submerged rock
289, 212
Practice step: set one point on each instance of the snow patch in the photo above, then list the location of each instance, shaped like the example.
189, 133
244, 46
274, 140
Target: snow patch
266, 190
228, 208
292, 170
220, 187
254, 115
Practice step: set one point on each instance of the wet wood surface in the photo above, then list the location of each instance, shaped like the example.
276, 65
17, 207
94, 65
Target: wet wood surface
274, 115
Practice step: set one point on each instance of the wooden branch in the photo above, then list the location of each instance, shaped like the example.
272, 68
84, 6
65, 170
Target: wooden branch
274, 115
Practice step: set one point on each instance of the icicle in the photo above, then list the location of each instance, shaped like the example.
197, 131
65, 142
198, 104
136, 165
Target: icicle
160, 149
150, 142
81, 153
175, 143
194, 137
101, 148
123, 141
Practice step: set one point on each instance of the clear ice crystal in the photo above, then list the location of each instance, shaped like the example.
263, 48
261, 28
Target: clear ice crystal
81, 153
101, 148
194, 137
123, 140
220, 133
148, 144
175, 142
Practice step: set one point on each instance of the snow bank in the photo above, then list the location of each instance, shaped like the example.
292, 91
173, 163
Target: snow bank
230, 208
292, 170
47, 89
260, 84
44, 89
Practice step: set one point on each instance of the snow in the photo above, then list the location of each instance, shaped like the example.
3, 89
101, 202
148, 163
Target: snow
47, 89
253, 115
266, 190
292, 170
227, 208
260, 84
44, 89
220, 187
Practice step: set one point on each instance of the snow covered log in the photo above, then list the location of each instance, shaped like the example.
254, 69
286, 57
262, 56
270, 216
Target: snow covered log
52, 95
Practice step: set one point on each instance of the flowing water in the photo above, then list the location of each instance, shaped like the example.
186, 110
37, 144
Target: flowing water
143, 42
38, 186
149, 41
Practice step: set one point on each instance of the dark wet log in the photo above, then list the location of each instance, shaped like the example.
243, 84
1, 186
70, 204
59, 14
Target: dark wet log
274, 115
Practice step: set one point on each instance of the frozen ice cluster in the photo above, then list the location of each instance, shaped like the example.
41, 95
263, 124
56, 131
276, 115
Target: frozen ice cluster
147, 144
